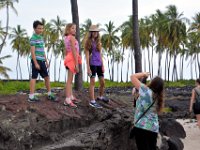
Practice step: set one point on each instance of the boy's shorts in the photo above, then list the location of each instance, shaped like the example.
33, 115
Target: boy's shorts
96, 70
43, 69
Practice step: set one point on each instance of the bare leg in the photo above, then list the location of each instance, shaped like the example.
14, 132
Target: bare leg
68, 91
47, 83
198, 120
102, 86
91, 89
32, 86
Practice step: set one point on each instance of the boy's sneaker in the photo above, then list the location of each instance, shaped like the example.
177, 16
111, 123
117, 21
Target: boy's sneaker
34, 99
95, 105
52, 97
104, 99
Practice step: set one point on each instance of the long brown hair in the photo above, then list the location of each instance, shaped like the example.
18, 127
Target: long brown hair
88, 42
157, 86
67, 28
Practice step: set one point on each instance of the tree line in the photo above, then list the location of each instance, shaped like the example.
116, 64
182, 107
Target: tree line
166, 33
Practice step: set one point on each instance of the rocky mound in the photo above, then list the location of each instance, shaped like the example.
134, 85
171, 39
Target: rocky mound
49, 125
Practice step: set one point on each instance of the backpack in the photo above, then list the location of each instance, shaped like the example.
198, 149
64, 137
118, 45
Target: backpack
197, 95
196, 105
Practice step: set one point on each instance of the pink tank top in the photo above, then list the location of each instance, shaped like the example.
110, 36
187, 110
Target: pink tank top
68, 44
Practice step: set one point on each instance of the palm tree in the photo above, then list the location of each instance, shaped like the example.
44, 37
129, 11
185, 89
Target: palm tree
18, 36
136, 38
75, 18
7, 4
194, 40
83, 34
2, 32
57, 26
145, 30
110, 42
160, 24
175, 33
3, 70
85, 28
195, 26
118, 58
127, 42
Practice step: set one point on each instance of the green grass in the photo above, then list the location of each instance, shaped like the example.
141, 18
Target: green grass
11, 87
110, 84
180, 83
167, 109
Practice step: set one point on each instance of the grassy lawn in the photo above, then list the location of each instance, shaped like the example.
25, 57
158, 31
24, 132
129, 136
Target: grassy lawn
11, 87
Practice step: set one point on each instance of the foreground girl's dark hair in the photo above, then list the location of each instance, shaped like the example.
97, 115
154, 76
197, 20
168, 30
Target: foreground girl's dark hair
157, 86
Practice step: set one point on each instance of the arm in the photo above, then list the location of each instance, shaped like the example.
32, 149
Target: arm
37, 66
87, 55
72, 42
192, 100
135, 78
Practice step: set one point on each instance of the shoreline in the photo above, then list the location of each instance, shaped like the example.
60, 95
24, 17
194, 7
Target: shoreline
191, 142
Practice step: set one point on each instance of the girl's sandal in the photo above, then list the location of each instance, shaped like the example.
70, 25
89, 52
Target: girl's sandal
75, 100
71, 104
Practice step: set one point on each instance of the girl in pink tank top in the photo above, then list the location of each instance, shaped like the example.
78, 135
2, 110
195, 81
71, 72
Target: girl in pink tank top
71, 62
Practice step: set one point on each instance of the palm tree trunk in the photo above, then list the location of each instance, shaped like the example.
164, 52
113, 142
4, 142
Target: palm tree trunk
144, 58
152, 62
136, 38
17, 65
149, 61
75, 18
166, 63
191, 71
59, 69
159, 63
28, 67
20, 70
198, 64
55, 68
132, 55
117, 71
168, 69
182, 67
109, 66
122, 64
127, 77
112, 62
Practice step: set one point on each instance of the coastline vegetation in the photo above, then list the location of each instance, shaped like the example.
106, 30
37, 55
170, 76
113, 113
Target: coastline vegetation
12, 87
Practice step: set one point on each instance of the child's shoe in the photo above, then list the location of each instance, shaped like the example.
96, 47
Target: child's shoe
34, 99
52, 97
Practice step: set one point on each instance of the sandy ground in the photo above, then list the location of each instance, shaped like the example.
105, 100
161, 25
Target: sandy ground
192, 140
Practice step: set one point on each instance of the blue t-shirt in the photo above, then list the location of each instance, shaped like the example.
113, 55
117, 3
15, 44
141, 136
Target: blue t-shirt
150, 120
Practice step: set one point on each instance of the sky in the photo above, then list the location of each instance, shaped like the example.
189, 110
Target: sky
99, 11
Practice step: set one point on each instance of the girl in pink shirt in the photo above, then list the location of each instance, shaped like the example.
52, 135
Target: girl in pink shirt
71, 62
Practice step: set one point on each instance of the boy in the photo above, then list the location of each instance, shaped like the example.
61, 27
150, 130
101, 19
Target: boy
39, 62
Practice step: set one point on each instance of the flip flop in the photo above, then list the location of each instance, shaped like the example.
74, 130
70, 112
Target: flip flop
71, 104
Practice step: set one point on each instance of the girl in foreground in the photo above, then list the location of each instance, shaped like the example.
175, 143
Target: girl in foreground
147, 127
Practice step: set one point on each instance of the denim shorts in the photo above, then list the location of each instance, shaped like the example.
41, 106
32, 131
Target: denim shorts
43, 69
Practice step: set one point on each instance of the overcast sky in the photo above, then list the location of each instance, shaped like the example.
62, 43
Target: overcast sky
99, 11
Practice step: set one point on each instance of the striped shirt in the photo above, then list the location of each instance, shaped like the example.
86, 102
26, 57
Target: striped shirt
38, 42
